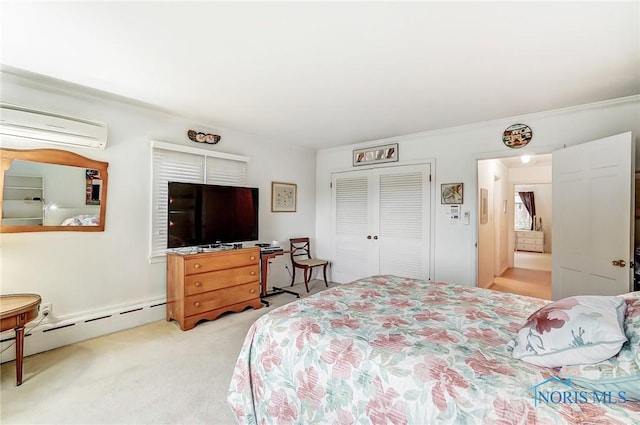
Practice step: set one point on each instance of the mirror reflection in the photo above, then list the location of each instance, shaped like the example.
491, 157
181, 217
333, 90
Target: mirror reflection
52, 190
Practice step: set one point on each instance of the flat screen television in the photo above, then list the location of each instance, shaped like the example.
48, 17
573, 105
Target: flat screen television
204, 214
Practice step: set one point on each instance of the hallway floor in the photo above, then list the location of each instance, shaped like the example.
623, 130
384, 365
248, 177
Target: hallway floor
531, 276
532, 260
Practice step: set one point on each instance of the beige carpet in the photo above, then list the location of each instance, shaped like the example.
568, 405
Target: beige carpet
531, 276
532, 260
153, 374
533, 283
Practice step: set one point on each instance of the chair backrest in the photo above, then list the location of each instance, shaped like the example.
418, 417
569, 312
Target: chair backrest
300, 249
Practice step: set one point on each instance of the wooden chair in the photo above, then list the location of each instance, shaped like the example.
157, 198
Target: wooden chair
301, 259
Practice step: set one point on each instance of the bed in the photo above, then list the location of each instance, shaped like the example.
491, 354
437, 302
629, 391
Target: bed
392, 350
73, 216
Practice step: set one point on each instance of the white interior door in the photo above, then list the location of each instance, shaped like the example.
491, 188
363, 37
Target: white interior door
592, 217
381, 222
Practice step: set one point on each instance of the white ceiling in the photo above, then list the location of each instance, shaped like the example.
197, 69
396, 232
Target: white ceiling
326, 74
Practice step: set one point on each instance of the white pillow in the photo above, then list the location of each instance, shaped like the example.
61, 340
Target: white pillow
621, 372
576, 330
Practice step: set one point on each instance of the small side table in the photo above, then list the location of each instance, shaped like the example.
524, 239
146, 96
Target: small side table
264, 284
16, 311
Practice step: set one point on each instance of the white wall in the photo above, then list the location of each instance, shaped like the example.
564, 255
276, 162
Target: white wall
456, 152
79, 272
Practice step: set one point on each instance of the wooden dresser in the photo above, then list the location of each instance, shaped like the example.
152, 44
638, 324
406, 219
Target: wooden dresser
529, 240
203, 286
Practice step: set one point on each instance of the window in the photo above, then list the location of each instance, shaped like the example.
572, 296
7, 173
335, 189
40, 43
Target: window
522, 219
178, 163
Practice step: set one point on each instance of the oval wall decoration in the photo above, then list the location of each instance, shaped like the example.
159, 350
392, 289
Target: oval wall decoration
517, 136
198, 137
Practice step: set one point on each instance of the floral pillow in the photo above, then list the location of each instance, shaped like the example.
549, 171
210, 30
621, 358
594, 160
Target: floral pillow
577, 330
619, 373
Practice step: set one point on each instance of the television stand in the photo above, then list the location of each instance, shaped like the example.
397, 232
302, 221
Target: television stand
264, 284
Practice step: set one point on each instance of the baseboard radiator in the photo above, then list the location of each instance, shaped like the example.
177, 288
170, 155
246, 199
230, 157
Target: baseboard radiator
57, 332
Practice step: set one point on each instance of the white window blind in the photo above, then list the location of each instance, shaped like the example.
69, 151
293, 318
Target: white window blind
174, 163
225, 171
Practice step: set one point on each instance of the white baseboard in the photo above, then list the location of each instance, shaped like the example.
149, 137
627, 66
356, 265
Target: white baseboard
57, 332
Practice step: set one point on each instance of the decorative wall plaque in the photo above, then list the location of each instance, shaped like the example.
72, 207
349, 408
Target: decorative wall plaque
198, 137
517, 136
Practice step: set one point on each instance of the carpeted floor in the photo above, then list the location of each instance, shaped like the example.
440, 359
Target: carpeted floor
530, 275
152, 374
533, 283
532, 260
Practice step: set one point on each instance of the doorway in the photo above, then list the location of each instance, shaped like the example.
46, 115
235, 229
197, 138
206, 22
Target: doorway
510, 258
592, 189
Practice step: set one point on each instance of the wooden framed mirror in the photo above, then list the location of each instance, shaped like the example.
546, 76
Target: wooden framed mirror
51, 190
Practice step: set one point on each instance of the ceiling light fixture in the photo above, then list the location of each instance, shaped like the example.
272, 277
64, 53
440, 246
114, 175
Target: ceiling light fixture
525, 159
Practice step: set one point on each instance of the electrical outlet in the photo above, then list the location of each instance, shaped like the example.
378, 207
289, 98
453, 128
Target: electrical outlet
45, 309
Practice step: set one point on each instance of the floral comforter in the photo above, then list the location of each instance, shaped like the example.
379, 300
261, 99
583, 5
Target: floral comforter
391, 350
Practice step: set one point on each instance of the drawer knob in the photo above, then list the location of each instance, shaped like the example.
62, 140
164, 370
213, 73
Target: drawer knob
252, 290
198, 284
253, 257
253, 273
197, 304
197, 266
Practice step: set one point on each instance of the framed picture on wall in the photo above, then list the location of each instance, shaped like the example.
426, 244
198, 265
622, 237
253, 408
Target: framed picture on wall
378, 154
283, 197
451, 193
484, 206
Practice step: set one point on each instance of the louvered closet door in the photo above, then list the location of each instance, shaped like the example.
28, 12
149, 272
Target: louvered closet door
351, 223
381, 222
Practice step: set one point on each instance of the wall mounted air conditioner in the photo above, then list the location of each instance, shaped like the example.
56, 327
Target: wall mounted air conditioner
21, 122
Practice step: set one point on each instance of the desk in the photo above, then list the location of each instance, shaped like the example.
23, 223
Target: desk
15, 311
264, 276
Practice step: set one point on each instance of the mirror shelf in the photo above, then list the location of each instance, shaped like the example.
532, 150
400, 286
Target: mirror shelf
51, 190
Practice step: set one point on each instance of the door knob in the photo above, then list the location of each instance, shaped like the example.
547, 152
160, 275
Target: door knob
375, 237
368, 236
619, 263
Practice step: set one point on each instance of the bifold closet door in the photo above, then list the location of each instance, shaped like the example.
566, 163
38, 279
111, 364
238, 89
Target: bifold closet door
381, 222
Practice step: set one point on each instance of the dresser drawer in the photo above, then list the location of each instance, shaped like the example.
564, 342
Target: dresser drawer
220, 279
224, 260
529, 234
201, 303
529, 247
